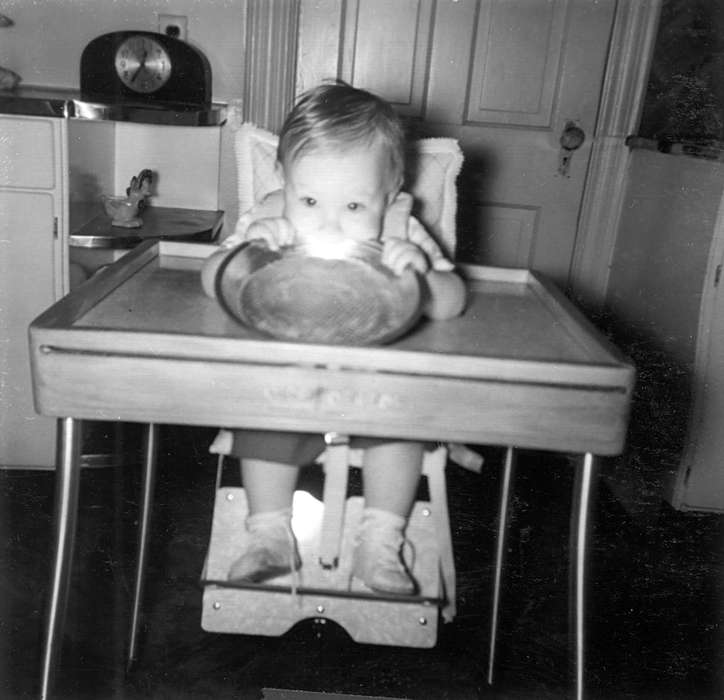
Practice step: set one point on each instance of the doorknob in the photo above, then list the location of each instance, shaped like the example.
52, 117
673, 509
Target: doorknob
572, 138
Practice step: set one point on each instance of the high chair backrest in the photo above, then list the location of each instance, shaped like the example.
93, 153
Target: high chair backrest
433, 165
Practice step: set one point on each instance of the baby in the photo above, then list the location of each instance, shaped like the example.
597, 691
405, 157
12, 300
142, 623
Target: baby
341, 158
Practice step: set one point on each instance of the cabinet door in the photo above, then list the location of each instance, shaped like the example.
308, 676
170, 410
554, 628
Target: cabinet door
27, 287
28, 157
700, 480
33, 262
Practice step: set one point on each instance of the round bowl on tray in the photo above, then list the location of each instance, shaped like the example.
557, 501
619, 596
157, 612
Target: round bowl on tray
339, 294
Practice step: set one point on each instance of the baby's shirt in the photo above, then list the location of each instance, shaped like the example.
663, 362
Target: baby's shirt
398, 223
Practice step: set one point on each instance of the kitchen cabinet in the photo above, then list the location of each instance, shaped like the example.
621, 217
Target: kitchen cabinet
58, 154
699, 482
33, 272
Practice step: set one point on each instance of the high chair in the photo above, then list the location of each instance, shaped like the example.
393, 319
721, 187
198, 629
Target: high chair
559, 386
323, 589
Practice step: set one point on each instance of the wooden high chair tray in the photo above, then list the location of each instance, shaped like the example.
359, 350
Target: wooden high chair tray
141, 342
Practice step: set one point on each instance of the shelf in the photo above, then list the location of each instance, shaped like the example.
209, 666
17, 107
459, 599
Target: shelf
70, 104
166, 115
91, 227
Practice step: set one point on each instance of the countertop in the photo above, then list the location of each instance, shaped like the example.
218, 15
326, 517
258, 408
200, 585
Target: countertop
70, 104
91, 227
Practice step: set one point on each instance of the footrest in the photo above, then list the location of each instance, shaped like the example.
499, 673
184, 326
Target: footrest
315, 592
366, 620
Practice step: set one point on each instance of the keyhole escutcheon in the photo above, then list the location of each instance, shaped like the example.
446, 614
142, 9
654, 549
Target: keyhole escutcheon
571, 139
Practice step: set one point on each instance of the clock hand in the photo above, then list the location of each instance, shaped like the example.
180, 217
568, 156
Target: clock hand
141, 67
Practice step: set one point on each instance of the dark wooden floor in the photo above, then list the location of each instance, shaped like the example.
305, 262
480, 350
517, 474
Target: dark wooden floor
654, 614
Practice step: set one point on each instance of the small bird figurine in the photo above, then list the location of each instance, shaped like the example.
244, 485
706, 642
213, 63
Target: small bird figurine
125, 211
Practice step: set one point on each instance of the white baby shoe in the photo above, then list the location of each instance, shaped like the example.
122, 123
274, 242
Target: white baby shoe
271, 548
378, 558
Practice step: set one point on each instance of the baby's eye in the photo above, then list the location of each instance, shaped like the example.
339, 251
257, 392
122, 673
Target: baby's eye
309, 201
354, 206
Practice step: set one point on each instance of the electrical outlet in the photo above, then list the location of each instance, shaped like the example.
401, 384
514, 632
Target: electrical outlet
173, 25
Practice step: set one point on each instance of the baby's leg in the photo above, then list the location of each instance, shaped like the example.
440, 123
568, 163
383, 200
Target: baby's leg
269, 477
391, 473
270, 548
269, 485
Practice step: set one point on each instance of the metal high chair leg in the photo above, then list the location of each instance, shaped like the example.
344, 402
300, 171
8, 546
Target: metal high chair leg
508, 470
67, 480
144, 524
580, 536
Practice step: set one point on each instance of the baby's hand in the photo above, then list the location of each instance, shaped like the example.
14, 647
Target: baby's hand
399, 253
276, 231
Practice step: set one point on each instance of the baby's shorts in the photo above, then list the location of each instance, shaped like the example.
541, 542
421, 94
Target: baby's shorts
293, 448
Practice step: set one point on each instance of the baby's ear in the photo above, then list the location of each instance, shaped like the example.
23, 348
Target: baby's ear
279, 171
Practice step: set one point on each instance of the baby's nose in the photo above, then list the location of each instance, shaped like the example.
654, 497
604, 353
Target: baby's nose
331, 225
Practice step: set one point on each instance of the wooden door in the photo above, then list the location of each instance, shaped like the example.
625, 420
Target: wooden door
505, 77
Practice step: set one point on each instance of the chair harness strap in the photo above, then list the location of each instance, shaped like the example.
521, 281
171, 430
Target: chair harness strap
434, 469
335, 495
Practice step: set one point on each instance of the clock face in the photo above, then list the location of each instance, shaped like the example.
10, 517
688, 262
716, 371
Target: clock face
142, 64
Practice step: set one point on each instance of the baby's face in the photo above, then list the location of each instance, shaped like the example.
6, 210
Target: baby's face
338, 194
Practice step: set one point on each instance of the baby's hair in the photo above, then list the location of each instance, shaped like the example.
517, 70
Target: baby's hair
339, 115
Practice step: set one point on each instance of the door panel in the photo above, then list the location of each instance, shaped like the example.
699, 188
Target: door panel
516, 44
510, 242
386, 47
26, 152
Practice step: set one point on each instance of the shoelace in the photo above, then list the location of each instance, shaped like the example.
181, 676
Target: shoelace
296, 579
272, 521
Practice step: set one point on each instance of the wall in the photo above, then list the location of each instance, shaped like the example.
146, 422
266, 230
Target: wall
45, 43
685, 95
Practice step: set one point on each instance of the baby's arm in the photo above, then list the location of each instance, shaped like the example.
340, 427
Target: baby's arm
276, 231
263, 221
407, 244
446, 295
445, 291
